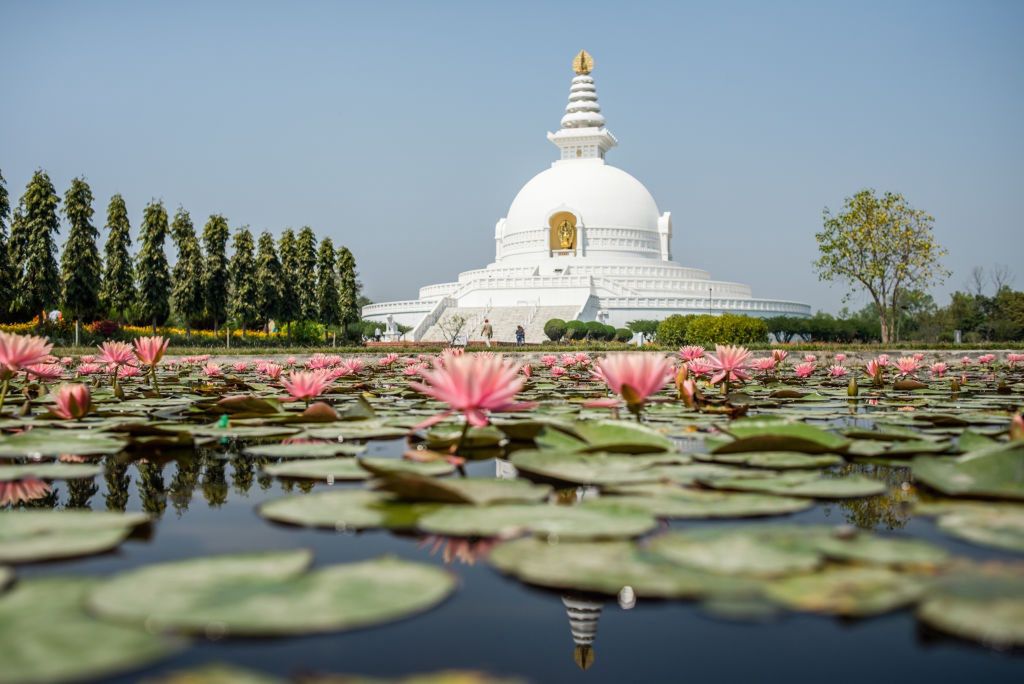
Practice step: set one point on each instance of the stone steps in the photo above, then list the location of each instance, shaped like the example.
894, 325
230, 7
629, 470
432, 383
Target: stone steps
503, 319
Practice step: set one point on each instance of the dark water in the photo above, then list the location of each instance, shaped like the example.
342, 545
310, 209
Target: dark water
503, 627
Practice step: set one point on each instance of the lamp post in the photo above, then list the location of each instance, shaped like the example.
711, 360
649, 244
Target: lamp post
711, 310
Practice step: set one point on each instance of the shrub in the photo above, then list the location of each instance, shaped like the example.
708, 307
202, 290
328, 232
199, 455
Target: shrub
105, 329
647, 326
575, 330
308, 332
555, 329
708, 330
623, 335
672, 330
595, 330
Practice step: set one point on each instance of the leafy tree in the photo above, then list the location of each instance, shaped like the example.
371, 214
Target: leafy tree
187, 295
118, 291
215, 272
291, 304
648, 327
555, 329
306, 277
151, 268
242, 274
882, 245
7, 278
80, 263
327, 284
348, 287
39, 282
269, 281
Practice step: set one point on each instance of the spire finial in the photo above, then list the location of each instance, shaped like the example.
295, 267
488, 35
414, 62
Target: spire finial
583, 63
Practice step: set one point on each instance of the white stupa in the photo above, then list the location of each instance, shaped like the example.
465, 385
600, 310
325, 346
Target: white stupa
582, 240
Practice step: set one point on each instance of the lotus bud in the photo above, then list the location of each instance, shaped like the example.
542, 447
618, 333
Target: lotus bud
954, 386
851, 389
1017, 428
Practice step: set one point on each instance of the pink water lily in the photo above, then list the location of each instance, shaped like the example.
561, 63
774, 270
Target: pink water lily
305, 385
89, 369
840, 358
730, 363
691, 352
838, 371
558, 371
150, 350
73, 401
874, 370
779, 355
474, 385
804, 370
22, 491
212, 370
938, 369
764, 365
634, 376
388, 360
986, 359
44, 371
19, 351
907, 365
116, 353
700, 367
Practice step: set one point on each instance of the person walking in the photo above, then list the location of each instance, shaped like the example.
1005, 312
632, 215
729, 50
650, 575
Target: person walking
487, 331
520, 336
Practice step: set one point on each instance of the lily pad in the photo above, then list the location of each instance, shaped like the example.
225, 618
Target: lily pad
581, 522
346, 509
476, 438
775, 460
740, 551
983, 604
591, 469
778, 435
269, 594
54, 442
38, 535
992, 472
49, 471
621, 436
305, 450
349, 469
46, 635
482, 491
997, 525
801, 485
671, 501
849, 591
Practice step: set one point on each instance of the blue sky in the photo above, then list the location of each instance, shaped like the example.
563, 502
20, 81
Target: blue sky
404, 129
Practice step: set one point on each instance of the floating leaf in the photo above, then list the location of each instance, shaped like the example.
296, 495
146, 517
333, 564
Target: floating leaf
995, 471
54, 442
591, 469
774, 460
49, 471
738, 551
672, 501
997, 525
330, 469
980, 603
848, 591
801, 485
385, 466
482, 491
46, 635
347, 509
269, 594
621, 436
562, 522
37, 535
778, 435
305, 450
476, 438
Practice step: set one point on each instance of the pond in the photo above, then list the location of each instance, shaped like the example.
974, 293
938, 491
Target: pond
208, 496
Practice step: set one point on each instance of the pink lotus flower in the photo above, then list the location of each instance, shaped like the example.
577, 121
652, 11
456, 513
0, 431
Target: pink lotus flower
388, 360
804, 370
938, 369
116, 353
45, 371
883, 360
907, 365
688, 391
986, 359
582, 359
22, 491
212, 370
557, 372
1014, 359
838, 371
320, 361
271, 370
965, 361
240, 366
474, 385
779, 355
919, 356
765, 365
73, 401
840, 358
130, 371
306, 385
700, 367
19, 351
634, 376
87, 358
151, 349
549, 360
810, 358
414, 369
874, 369
730, 364
691, 352
527, 370
290, 361
89, 369
410, 360
66, 361
354, 365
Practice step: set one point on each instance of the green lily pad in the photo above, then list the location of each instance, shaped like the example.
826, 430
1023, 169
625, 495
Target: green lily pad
672, 501
349, 469
737, 551
6, 577
269, 594
775, 460
49, 471
482, 491
305, 450
607, 567
621, 436
37, 535
993, 472
359, 429
801, 485
849, 591
46, 635
54, 442
591, 469
997, 525
557, 522
476, 438
863, 547
983, 604
346, 509
240, 431
777, 435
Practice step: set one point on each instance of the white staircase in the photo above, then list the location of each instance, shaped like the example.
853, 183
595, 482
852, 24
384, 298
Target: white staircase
503, 319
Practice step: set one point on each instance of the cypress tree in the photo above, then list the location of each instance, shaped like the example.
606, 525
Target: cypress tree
151, 266
268, 279
7, 281
118, 291
215, 273
242, 274
348, 287
187, 300
306, 283
291, 307
327, 284
39, 285
80, 263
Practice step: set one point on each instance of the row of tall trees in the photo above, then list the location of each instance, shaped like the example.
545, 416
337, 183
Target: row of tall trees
295, 278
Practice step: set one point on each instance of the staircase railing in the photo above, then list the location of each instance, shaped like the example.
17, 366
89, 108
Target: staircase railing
432, 317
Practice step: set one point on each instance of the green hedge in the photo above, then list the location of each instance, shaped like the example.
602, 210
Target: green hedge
575, 330
555, 329
707, 330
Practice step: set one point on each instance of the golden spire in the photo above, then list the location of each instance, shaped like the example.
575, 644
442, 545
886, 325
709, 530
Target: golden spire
583, 63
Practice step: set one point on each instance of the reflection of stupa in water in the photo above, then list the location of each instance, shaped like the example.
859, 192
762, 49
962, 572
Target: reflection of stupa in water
583, 617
